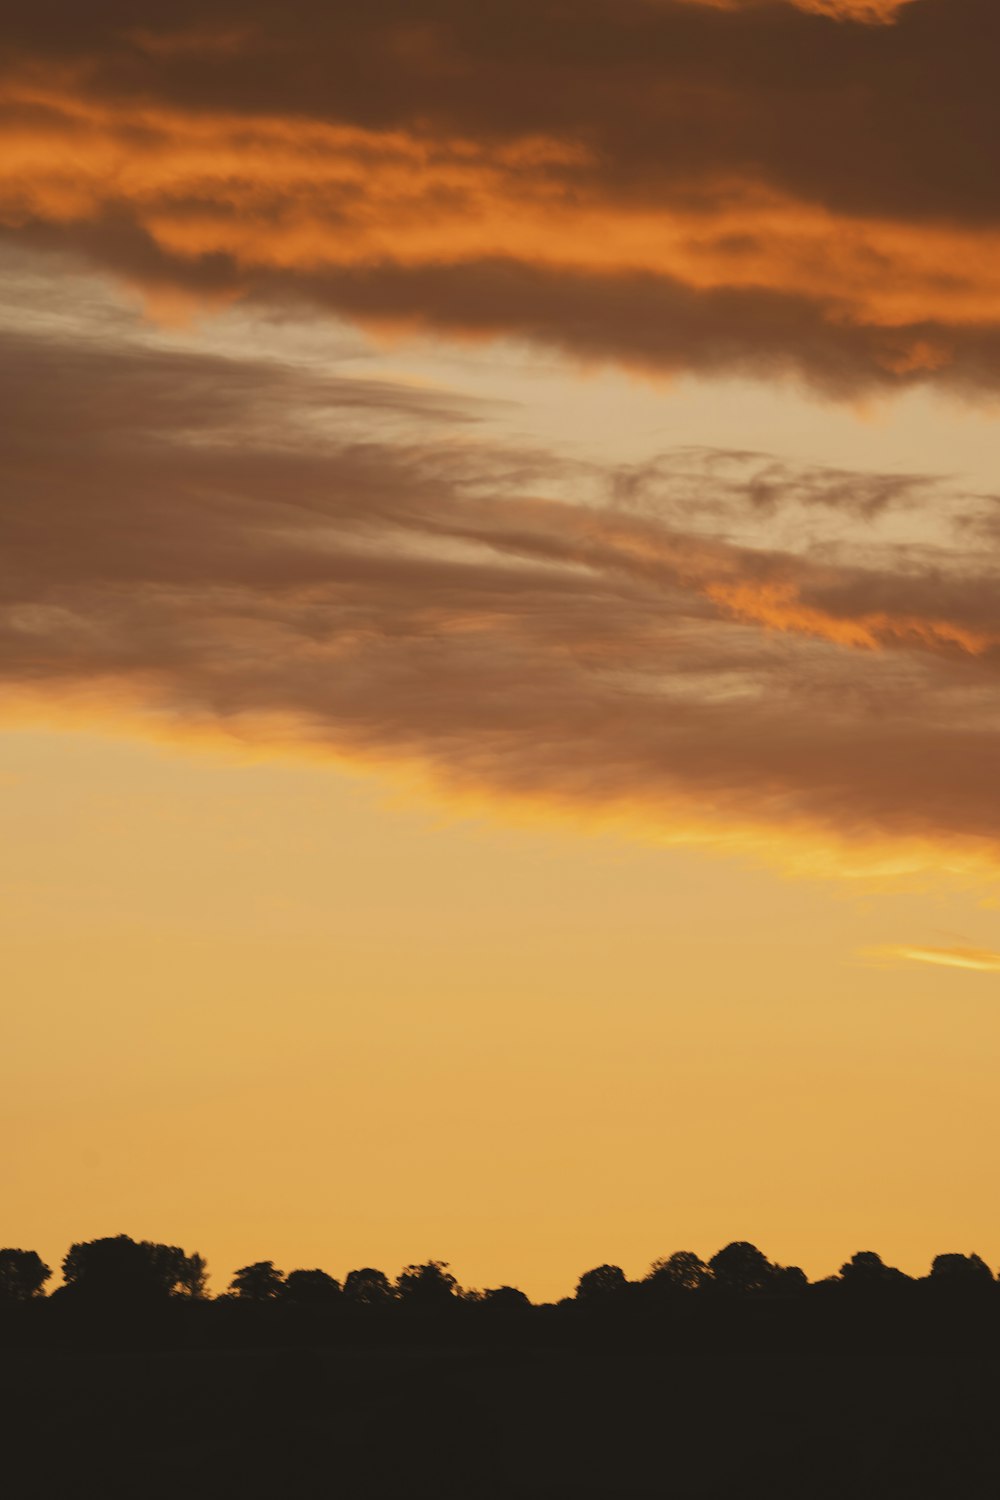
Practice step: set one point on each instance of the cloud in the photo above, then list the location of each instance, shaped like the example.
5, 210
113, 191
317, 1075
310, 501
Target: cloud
872, 12
983, 960
869, 12
669, 186
348, 568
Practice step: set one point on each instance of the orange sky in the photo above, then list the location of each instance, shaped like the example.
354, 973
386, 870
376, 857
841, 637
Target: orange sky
500, 632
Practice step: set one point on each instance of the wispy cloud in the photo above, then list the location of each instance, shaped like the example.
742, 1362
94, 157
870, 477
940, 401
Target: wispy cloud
984, 960
869, 12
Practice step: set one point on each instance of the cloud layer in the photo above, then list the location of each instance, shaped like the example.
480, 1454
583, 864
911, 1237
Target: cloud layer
669, 185
347, 566
715, 644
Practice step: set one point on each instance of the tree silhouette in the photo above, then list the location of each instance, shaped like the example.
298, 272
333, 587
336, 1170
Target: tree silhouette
258, 1282
965, 1273
505, 1299
866, 1273
740, 1267
430, 1285
118, 1268
683, 1272
602, 1284
312, 1288
23, 1273
788, 1281
193, 1278
119, 1275
367, 1287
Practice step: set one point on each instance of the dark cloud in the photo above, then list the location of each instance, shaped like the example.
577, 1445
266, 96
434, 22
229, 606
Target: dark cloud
257, 546
759, 189
870, 119
653, 323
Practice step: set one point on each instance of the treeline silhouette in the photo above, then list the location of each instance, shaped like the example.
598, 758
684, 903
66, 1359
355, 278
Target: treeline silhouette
119, 1288
701, 1380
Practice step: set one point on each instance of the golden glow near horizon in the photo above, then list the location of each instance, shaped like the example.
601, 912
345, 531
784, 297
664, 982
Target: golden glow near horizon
499, 637
259, 1010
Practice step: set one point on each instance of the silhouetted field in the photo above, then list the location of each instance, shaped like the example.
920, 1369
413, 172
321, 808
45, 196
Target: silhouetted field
731, 1378
389, 1424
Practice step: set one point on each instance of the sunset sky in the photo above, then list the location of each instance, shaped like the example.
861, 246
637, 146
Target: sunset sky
500, 630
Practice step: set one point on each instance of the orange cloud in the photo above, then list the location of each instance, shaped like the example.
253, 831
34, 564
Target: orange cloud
282, 195
870, 12
688, 204
273, 197
874, 12
780, 606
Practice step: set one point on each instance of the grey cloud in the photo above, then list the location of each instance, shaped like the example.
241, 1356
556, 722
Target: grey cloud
191, 533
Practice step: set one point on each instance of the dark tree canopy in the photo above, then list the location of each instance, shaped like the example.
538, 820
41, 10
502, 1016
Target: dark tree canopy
312, 1288
367, 1287
258, 1282
602, 1284
683, 1272
120, 1274
428, 1285
788, 1281
741, 1267
23, 1274
120, 1267
193, 1278
866, 1272
960, 1272
505, 1298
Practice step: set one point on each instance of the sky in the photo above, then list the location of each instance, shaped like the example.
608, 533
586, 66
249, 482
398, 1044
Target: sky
500, 630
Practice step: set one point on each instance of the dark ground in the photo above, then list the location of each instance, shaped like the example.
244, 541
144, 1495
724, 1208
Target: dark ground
500, 1425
